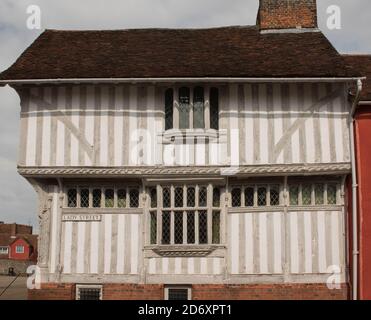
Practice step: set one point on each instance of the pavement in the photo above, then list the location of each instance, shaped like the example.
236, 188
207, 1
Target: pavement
17, 291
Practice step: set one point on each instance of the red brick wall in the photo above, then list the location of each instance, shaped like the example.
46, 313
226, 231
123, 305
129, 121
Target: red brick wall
52, 291
287, 14
200, 292
268, 292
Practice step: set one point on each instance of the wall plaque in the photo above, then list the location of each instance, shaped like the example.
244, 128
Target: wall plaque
82, 217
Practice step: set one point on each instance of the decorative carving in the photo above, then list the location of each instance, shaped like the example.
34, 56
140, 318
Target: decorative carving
179, 251
44, 229
257, 170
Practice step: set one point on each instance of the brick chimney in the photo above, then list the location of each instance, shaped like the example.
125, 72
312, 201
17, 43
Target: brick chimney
287, 14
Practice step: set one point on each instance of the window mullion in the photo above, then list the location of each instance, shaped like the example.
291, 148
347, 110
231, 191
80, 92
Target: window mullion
172, 228
300, 198
313, 195
325, 201
185, 228
209, 213
255, 195
268, 195
159, 215
191, 95
207, 107
196, 228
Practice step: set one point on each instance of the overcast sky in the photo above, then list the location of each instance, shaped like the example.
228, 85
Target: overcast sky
17, 198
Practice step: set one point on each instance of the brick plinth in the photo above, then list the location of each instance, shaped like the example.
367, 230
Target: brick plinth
200, 292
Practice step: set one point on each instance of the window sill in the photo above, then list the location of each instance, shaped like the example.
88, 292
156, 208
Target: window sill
102, 210
171, 135
184, 250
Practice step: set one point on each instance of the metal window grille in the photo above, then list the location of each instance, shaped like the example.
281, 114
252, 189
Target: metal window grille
319, 194
262, 196
153, 231
191, 198
178, 227
178, 196
166, 227
153, 198
190, 227
216, 197
89, 293
202, 228
249, 197
236, 197
214, 108
274, 192
97, 196
202, 197
72, 198
216, 227
306, 194
84, 198
294, 195
134, 198
109, 195
166, 198
121, 198
331, 194
177, 294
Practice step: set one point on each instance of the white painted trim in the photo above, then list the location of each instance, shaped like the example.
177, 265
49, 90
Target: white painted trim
175, 79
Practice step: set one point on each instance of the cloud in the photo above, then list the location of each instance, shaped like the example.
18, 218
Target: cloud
17, 198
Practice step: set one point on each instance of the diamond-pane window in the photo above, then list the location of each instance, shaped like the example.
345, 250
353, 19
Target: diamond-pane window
331, 194
190, 227
72, 198
319, 193
153, 232
202, 197
169, 96
202, 227
121, 198
191, 197
166, 198
153, 194
306, 193
236, 197
178, 197
178, 227
97, 196
262, 196
184, 107
274, 195
166, 227
109, 198
249, 197
214, 108
216, 227
294, 195
216, 197
198, 108
84, 198
134, 198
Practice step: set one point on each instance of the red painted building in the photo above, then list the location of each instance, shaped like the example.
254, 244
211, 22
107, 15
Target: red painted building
363, 160
17, 242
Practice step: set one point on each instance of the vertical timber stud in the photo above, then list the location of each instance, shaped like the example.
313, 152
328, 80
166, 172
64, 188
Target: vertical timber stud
286, 265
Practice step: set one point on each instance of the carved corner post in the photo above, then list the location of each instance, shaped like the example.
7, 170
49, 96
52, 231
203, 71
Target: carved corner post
45, 201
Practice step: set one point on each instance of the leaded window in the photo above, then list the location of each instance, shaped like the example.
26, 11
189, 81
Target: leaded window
153, 195
109, 198
236, 197
198, 108
214, 108
262, 196
184, 107
121, 198
186, 216
97, 197
274, 195
84, 198
318, 192
191, 108
306, 193
249, 197
313, 194
331, 194
134, 198
72, 198
169, 97
294, 195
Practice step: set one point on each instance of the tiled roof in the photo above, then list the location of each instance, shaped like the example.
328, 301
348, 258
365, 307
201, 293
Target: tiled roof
362, 63
169, 53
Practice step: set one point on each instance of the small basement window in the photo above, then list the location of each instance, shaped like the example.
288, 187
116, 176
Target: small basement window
88, 292
178, 293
